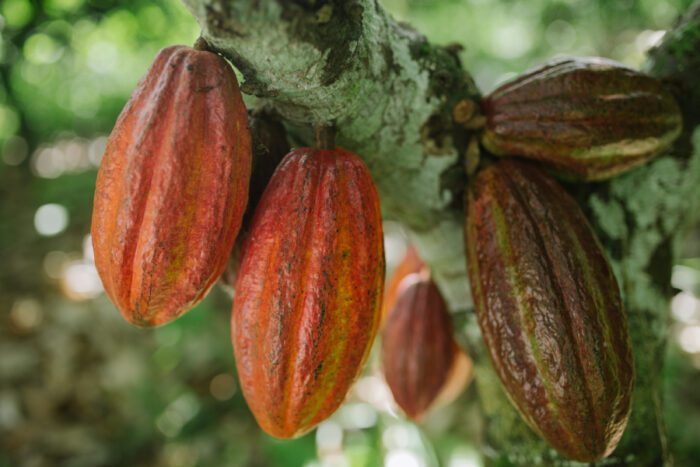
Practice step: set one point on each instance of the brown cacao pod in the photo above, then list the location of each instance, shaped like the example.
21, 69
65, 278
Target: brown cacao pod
418, 348
270, 145
308, 293
172, 187
269, 139
411, 263
589, 118
549, 309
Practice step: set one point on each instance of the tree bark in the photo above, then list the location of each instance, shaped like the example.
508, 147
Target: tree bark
391, 95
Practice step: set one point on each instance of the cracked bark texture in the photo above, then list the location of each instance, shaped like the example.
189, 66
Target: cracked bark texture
391, 94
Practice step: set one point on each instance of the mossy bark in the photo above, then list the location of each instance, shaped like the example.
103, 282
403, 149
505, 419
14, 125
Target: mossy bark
391, 95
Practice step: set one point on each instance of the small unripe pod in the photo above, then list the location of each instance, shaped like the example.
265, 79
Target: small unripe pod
419, 353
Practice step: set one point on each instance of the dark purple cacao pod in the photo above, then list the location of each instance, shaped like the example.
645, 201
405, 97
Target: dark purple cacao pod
588, 118
549, 309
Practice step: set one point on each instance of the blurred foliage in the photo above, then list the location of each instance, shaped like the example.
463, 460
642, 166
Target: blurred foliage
79, 387
505, 37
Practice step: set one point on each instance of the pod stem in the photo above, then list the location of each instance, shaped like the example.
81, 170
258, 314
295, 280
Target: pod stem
467, 114
202, 44
325, 136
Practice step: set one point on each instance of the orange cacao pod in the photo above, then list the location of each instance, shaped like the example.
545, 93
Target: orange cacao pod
418, 347
172, 187
589, 118
411, 263
549, 309
308, 292
461, 375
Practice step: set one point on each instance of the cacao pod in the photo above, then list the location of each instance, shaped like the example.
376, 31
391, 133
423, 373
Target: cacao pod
411, 263
308, 292
461, 375
589, 118
549, 309
419, 352
172, 187
269, 139
270, 145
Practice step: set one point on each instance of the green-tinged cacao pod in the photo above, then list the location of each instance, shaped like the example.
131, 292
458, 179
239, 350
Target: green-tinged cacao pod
308, 292
269, 139
590, 119
172, 187
549, 309
418, 347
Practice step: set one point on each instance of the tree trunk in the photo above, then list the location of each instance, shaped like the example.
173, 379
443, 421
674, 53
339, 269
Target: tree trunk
391, 95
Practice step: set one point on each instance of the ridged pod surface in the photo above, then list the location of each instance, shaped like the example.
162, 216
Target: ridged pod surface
172, 187
549, 309
418, 347
589, 118
308, 292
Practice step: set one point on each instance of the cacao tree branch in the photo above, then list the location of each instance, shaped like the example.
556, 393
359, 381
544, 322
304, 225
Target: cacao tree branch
388, 91
677, 61
391, 96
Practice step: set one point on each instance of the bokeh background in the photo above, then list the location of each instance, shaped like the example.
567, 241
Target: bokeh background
80, 387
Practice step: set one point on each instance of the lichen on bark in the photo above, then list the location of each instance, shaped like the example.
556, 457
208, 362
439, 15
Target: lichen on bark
391, 102
390, 94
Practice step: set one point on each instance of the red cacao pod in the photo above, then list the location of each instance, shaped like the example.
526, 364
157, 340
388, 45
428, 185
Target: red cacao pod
589, 118
418, 348
308, 292
549, 309
172, 187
